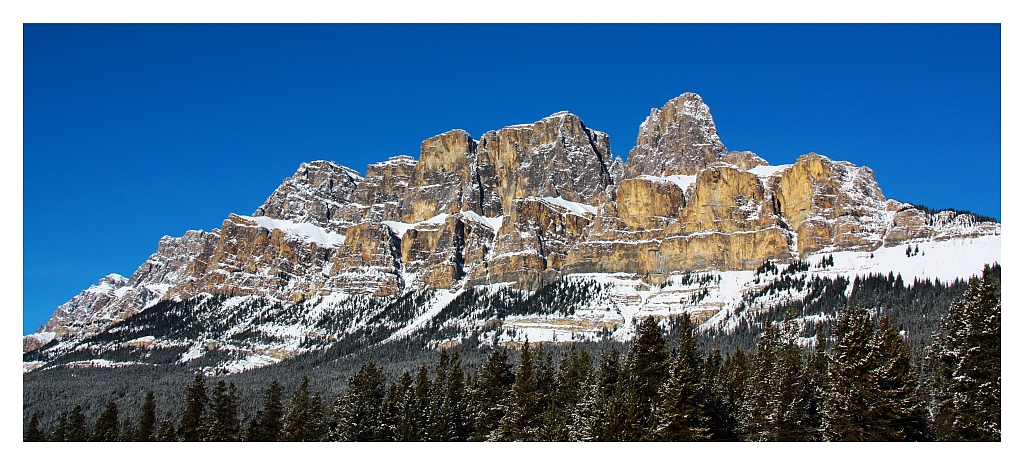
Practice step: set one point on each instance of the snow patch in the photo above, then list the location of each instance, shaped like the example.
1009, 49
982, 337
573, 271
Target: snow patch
573, 207
305, 231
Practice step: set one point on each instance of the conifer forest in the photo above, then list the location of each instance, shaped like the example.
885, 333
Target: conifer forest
863, 379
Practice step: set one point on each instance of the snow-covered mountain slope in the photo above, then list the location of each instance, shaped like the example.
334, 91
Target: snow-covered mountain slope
230, 334
468, 240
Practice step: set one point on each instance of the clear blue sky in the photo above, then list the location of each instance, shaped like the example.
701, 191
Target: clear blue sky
133, 132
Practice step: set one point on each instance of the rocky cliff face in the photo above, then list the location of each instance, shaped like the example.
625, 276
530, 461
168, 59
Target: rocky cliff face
525, 204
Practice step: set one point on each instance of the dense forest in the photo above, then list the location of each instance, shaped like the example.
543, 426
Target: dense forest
860, 381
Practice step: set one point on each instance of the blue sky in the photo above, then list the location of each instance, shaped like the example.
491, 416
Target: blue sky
133, 132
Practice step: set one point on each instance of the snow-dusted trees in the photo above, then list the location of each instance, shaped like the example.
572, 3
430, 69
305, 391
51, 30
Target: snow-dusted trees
966, 378
359, 413
870, 393
304, 421
190, 427
490, 394
680, 415
776, 398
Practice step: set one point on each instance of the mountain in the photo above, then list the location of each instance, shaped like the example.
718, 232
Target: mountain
534, 230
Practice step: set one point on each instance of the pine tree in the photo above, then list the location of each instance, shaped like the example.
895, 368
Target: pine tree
571, 384
147, 419
847, 394
491, 394
679, 414
714, 389
777, 395
128, 430
305, 419
646, 369
523, 417
77, 430
610, 422
422, 401
269, 422
193, 417
224, 422
400, 409
359, 410
32, 431
898, 407
106, 429
167, 432
453, 418
966, 382
734, 382
60, 431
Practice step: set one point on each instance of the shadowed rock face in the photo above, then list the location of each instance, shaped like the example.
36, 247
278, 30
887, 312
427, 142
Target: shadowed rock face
525, 204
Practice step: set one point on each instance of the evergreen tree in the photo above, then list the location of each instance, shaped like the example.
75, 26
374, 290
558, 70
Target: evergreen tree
899, 409
610, 422
714, 388
167, 432
646, 369
32, 431
400, 409
546, 384
777, 394
128, 430
966, 379
523, 417
60, 431
734, 382
106, 429
147, 419
847, 395
305, 419
193, 417
583, 417
268, 425
491, 394
77, 430
224, 422
679, 414
422, 415
453, 417
571, 384
359, 410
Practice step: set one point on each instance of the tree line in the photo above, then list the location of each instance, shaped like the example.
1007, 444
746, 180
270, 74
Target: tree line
860, 384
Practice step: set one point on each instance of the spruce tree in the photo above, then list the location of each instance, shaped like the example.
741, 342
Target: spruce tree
611, 419
454, 415
60, 431
845, 412
900, 410
32, 431
359, 414
422, 415
679, 414
777, 395
965, 360
714, 389
270, 422
167, 432
523, 417
304, 421
734, 382
147, 419
491, 394
191, 427
646, 369
106, 429
400, 409
571, 384
224, 422
77, 430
